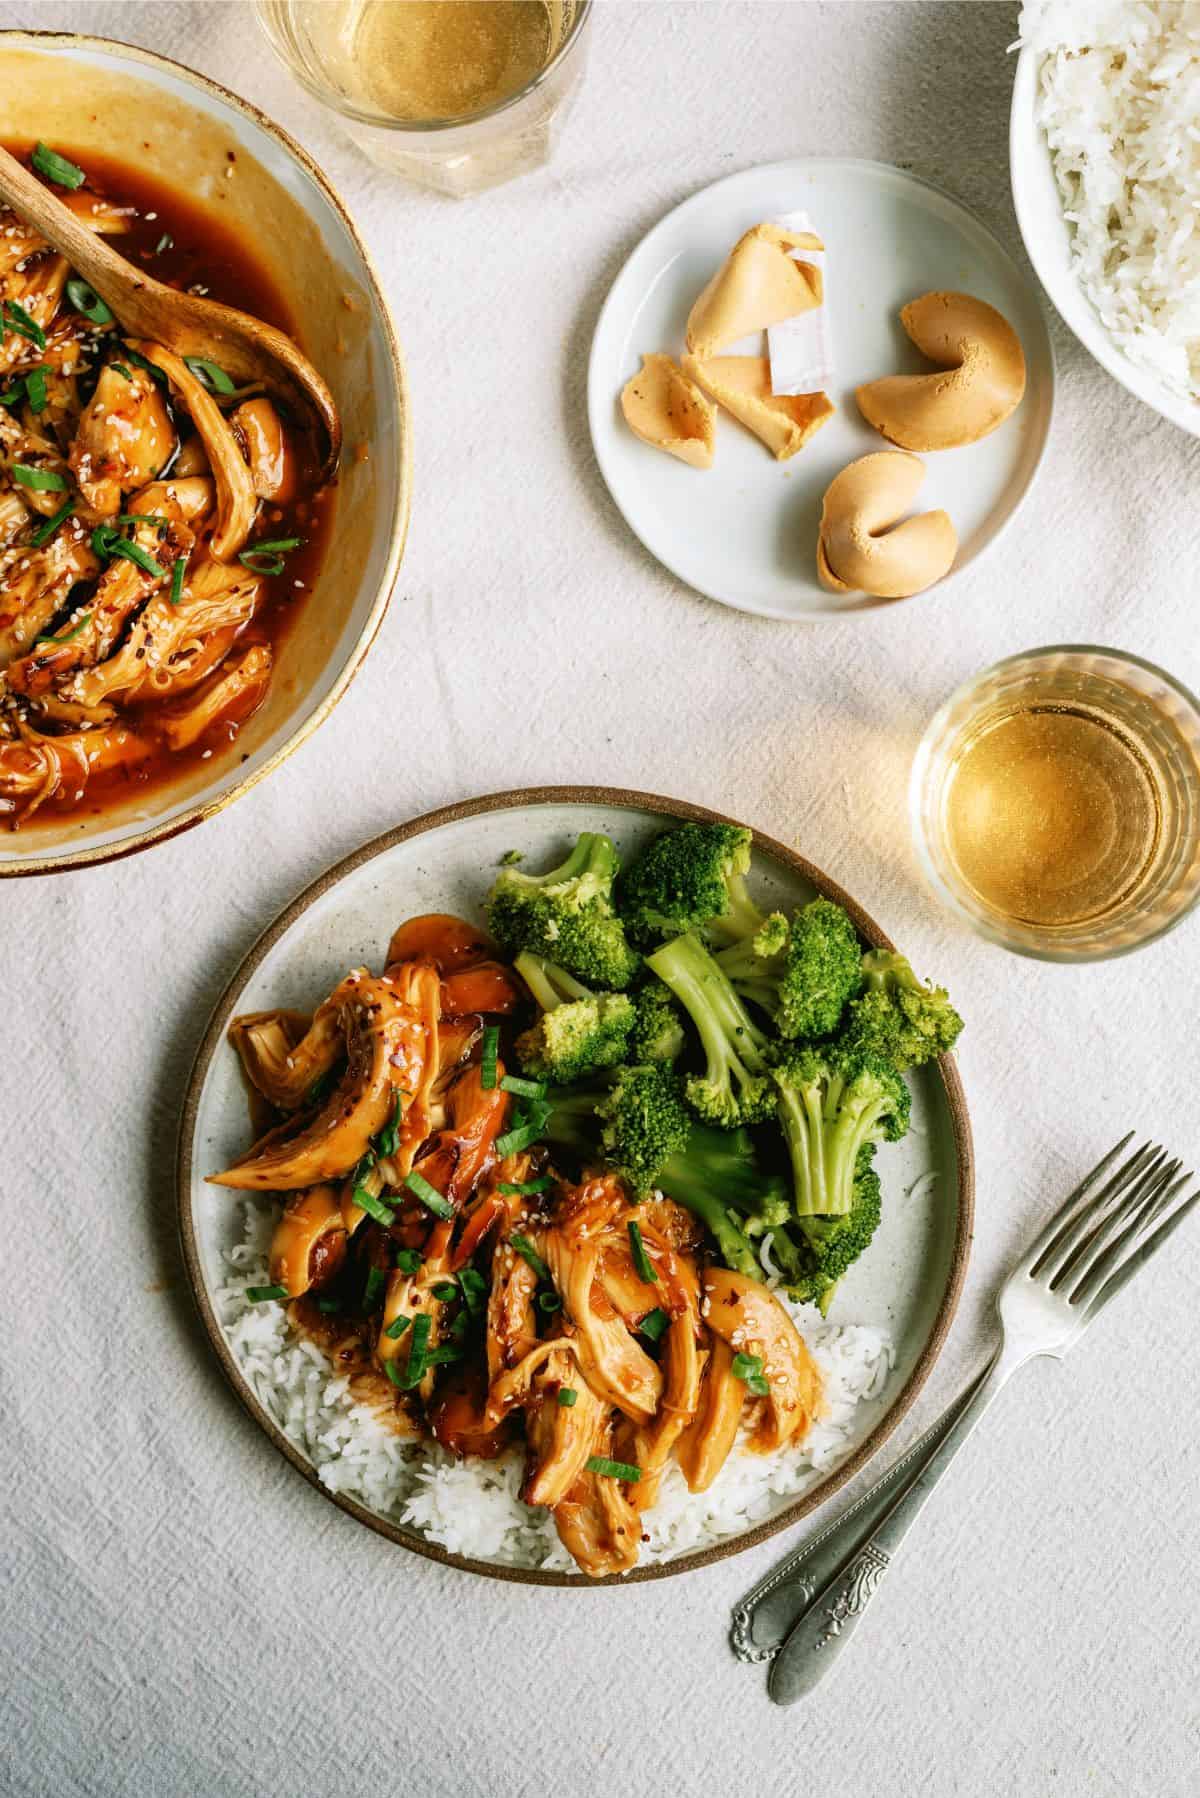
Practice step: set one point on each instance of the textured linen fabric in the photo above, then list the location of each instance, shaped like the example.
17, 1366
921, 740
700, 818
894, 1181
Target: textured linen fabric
179, 1613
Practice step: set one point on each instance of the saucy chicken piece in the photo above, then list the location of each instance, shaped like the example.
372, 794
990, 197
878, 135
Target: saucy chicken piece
34, 767
705, 1444
33, 276
125, 437
309, 1244
560, 1438
458, 1420
615, 1366
267, 448
238, 688
237, 502
385, 1050
597, 1524
284, 1066
413, 1296
34, 585
683, 1362
744, 1314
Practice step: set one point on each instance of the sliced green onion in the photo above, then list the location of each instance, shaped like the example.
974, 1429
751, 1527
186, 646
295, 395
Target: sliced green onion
144, 363
549, 1302
383, 1214
487, 1065
429, 1195
329, 1306
744, 1367
175, 595
397, 1327
12, 395
165, 242
84, 620
511, 857
38, 480
133, 552
527, 1089
389, 1136
756, 1383
86, 300
56, 168
258, 1295
527, 1252
394, 1375
524, 1188
641, 1261
566, 1397
446, 1290
437, 1357
408, 1260
363, 1165
35, 387
654, 1323
417, 1344
612, 1470
23, 323
473, 1286
209, 375
120, 369
516, 1140
373, 1290
48, 526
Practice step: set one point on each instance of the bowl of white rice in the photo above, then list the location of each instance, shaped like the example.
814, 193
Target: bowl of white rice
1104, 150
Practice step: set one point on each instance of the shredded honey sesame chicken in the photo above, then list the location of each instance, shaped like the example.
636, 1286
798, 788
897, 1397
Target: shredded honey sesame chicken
153, 516
477, 1288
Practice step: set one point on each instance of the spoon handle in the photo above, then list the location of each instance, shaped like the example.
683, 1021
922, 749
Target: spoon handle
110, 275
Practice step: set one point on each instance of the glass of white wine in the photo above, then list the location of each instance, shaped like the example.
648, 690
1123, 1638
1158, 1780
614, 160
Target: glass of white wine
458, 95
1055, 803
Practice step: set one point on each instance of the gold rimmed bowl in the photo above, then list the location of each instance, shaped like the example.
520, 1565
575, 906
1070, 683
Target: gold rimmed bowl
908, 1284
155, 114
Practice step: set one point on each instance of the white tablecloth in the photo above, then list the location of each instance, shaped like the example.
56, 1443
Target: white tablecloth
179, 1612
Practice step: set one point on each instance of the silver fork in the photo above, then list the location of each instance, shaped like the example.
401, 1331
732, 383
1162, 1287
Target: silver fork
1108, 1228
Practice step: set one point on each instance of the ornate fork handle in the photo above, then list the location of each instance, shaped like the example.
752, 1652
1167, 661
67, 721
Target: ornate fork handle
764, 1619
830, 1620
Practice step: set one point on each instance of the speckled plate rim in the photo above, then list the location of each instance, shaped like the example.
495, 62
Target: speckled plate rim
65, 862
214, 1039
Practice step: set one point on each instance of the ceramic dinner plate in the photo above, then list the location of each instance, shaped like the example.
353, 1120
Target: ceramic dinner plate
744, 531
909, 1281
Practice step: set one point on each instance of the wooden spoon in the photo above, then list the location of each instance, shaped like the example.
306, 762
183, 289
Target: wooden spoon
246, 348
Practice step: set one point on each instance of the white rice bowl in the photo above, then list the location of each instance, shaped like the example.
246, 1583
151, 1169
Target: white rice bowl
1119, 102
472, 1507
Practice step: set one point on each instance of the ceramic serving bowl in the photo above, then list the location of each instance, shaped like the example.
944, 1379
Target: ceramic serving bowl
1048, 243
83, 91
908, 1285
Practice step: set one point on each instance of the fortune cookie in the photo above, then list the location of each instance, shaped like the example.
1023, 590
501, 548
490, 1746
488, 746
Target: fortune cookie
742, 384
862, 549
983, 385
664, 408
758, 284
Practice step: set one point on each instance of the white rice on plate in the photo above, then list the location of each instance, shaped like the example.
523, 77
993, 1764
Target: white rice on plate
472, 1507
1119, 101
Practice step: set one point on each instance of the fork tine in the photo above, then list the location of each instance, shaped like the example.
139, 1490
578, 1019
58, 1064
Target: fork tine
1099, 1254
1046, 1235
1095, 1301
1052, 1261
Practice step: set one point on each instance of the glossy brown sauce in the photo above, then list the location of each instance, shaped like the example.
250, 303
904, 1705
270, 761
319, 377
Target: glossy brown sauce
203, 251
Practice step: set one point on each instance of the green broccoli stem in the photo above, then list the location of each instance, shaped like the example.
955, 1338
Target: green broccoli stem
742, 919
726, 1030
853, 1130
592, 854
690, 1188
550, 985
803, 1125
884, 970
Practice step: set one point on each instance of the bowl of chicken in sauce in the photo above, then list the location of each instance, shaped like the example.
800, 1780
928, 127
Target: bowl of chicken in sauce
186, 584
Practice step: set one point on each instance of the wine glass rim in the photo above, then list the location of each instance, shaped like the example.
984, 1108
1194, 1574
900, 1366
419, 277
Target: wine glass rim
420, 127
942, 890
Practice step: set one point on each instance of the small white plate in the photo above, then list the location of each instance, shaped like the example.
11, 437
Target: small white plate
744, 532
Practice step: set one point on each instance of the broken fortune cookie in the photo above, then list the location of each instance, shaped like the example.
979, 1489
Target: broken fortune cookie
666, 409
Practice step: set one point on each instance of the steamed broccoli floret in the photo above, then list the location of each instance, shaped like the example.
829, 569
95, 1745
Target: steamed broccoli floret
802, 974
686, 879
643, 1127
816, 1251
735, 1087
899, 1018
566, 915
831, 1105
658, 1033
579, 1031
